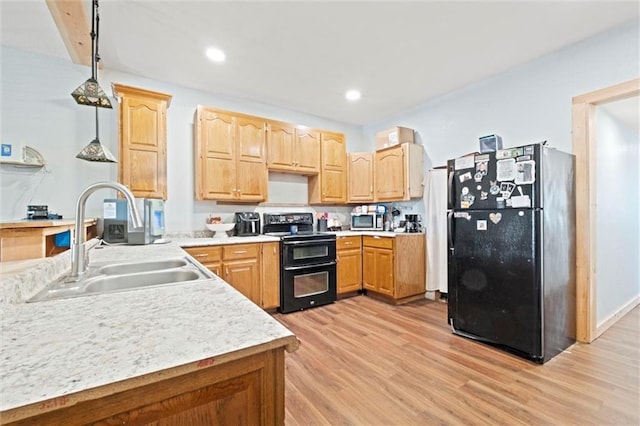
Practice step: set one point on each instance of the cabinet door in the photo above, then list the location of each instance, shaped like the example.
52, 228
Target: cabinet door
390, 174
333, 174
349, 270
142, 165
360, 172
251, 170
307, 148
384, 271
280, 143
270, 275
244, 276
209, 256
369, 280
215, 147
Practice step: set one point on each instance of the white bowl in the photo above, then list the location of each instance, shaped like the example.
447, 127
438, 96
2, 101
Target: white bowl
220, 229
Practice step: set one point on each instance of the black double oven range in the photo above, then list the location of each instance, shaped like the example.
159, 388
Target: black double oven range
307, 261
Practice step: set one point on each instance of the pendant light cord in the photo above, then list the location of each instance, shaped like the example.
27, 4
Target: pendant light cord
97, 55
97, 135
93, 38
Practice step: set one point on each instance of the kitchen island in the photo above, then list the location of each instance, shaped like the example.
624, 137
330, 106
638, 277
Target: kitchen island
187, 353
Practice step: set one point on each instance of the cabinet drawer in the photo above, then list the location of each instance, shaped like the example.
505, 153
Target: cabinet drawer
379, 242
240, 251
344, 243
205, 254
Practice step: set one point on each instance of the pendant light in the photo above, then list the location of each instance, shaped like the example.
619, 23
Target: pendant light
95, 151
90, 93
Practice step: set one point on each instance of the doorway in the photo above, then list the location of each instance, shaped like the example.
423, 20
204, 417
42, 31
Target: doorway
584, 148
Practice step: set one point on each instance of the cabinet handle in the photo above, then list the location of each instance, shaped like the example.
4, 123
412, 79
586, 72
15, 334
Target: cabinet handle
241, 251
227, 271
274, 249
201, 255
377, 237
347, 243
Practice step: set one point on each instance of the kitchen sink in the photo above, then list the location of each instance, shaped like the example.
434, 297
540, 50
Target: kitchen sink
106, 284
124, 276
135, 267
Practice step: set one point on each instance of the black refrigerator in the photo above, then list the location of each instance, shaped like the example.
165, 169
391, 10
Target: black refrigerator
511, 261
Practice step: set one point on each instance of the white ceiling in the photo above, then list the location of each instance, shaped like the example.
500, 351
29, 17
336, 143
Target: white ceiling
304, 55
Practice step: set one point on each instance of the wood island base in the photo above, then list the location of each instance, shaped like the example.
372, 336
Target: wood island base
245, 391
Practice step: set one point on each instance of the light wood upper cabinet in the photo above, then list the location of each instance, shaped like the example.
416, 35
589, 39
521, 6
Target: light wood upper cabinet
307, 144
280, 143
330, 186
142, 131
292, 149
360, 177
230, 156
398, 173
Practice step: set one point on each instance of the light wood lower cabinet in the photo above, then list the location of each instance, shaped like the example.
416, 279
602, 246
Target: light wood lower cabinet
209, 256
252, 269
241, 269
270, 298
245, 391
394, 267
349, 268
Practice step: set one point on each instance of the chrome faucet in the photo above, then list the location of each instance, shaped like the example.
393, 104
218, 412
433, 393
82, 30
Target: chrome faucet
78, 254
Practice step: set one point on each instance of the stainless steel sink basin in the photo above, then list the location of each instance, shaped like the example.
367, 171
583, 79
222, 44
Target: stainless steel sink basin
135, 267
124, 276
104, 284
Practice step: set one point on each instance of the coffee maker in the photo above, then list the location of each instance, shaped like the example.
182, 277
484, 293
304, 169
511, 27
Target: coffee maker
413, 223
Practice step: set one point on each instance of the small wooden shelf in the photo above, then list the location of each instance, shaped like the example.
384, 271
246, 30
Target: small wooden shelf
33, 239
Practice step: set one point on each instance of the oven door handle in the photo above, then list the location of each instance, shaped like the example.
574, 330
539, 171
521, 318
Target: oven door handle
310, 242
315, 265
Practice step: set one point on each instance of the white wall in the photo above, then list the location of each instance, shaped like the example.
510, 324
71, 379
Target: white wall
528, 104
37, 110
617, 262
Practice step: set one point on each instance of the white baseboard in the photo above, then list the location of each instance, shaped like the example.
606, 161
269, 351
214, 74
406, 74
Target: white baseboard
613, 318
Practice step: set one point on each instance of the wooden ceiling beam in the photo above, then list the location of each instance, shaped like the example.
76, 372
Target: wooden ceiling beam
74, 26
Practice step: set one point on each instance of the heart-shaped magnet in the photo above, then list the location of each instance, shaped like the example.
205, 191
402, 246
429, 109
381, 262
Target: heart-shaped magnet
495, 217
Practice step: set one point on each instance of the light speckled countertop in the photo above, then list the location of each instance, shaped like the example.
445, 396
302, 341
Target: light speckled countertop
374, 233
62, 347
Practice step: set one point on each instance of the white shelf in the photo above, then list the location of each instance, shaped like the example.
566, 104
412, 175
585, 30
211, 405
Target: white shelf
21, 164
30, 159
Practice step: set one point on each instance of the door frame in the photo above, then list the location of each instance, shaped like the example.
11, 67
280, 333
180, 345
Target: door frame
584, 148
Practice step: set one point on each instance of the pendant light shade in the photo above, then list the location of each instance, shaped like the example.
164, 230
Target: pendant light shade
95, 151
90, 93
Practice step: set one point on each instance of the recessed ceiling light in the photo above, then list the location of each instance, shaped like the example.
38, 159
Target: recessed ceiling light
352, 95
215, 54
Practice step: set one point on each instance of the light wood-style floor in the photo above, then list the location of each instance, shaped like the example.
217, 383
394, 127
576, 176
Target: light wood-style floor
363, 362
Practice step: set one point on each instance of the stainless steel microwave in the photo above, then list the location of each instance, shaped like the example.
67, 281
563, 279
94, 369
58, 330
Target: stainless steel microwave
367, 221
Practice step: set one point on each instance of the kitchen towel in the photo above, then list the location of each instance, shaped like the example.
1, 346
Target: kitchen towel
436, 229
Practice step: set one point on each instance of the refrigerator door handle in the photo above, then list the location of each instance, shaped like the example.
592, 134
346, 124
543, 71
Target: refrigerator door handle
450, 230
450, 194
